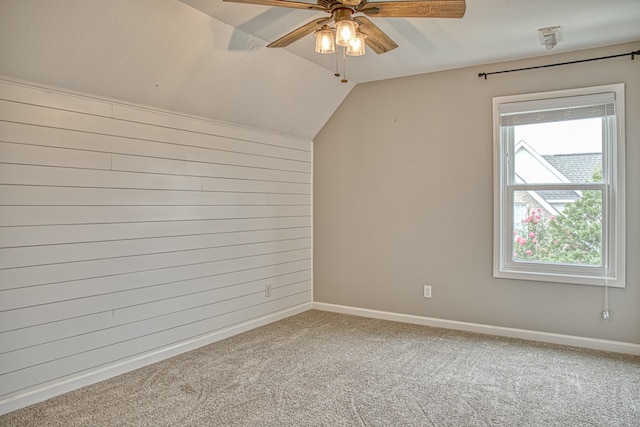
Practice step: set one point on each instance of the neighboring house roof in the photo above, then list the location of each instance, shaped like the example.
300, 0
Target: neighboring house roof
574, 168
577, 167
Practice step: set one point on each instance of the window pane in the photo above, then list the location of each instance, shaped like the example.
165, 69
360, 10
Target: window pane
559, 152
568, 234
519, 213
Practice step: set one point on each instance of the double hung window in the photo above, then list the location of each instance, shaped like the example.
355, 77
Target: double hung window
559, 186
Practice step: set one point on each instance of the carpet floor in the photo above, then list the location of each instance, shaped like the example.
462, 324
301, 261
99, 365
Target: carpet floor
327, 369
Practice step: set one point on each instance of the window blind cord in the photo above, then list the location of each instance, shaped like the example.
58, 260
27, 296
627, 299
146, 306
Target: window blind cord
605, 309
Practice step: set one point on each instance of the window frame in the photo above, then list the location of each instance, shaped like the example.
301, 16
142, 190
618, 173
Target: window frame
612, 271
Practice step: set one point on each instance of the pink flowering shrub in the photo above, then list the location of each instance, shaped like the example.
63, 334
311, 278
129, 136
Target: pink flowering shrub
531, 240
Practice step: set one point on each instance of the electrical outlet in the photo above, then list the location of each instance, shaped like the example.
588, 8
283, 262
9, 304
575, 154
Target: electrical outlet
267, 290
427, 291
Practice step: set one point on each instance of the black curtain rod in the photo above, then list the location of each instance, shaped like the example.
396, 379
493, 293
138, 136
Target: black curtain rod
632, 54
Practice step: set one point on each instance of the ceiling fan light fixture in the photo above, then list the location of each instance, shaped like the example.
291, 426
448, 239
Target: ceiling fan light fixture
346, 27
357, 47
346, 32
325, 40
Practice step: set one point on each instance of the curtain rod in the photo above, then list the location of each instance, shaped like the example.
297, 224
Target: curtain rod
632, 54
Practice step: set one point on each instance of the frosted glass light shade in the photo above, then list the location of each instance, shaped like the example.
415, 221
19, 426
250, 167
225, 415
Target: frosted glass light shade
324, 41
345, 32
356, 48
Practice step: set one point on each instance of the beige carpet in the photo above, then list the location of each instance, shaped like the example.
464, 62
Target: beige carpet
325, 369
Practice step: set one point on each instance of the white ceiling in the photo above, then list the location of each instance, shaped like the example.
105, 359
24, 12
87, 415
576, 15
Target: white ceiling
490, 31
209, 58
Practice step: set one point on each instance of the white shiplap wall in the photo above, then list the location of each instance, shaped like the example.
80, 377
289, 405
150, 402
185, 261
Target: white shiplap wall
125, 232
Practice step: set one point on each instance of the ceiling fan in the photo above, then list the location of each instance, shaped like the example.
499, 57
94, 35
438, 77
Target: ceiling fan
341, 11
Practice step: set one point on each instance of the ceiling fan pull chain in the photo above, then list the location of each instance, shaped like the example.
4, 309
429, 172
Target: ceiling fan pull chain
344, 65
337, 73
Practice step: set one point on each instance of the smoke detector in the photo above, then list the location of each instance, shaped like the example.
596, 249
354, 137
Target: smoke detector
549, 37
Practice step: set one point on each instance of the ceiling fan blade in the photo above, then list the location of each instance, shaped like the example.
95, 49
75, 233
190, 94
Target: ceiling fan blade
375, 38
414, 9
282, 3
300, 32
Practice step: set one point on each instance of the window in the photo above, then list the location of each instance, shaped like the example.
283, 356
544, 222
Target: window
559, 186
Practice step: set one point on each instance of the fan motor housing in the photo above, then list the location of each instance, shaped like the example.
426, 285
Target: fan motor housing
332, 4
341, 13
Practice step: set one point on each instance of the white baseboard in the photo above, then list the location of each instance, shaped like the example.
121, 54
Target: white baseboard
569, 340
51, 390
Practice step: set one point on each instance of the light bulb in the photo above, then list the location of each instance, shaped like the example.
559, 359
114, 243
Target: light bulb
356, 48
345, 32
324, 40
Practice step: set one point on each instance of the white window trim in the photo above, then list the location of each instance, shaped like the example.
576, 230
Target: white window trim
612, 274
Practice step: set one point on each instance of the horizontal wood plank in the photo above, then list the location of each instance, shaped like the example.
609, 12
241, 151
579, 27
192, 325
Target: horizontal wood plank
13, 278
45, 156
59, 215
210, 170
16, 195
37, 235
46, 176
241, 185
53, 254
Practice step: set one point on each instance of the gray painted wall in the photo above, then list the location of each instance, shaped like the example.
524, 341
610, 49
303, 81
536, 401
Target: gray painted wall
403, 197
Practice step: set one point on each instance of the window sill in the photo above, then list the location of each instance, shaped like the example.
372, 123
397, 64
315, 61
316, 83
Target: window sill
558, 278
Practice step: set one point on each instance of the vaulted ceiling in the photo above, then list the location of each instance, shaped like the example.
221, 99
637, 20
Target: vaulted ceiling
209, 58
